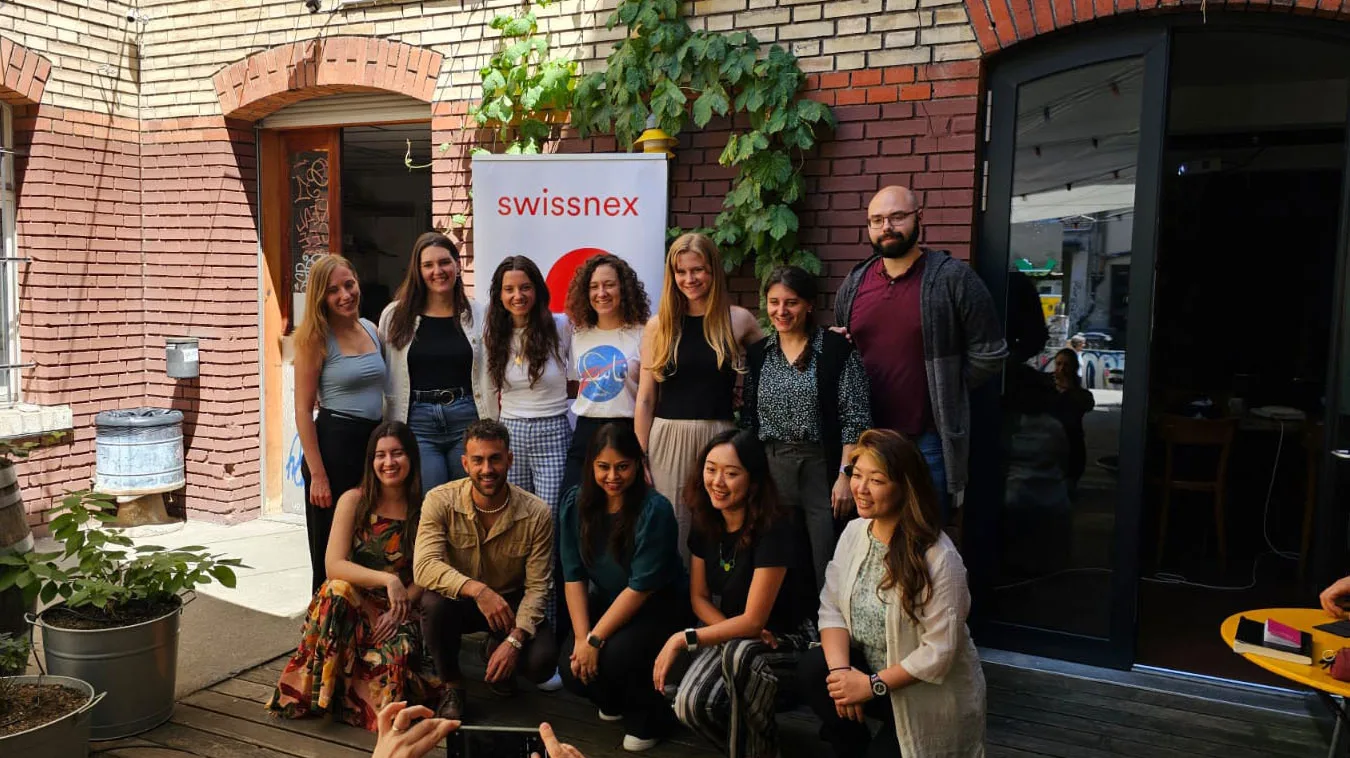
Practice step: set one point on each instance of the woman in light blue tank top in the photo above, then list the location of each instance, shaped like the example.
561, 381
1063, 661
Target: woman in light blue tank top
340, 370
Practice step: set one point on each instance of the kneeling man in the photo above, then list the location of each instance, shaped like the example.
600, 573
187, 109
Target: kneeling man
484, 553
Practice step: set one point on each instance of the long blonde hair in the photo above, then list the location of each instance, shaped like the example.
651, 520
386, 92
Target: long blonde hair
313, 330
717, 318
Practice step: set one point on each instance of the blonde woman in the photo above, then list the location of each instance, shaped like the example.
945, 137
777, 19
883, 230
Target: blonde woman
692, 356
340, 369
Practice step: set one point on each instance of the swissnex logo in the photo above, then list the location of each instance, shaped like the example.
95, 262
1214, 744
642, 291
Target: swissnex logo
545, 204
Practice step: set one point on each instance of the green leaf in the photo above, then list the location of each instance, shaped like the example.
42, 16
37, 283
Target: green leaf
708, 103
782, 221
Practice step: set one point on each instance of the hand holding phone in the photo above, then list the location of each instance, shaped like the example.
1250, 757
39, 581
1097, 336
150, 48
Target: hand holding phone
496, 742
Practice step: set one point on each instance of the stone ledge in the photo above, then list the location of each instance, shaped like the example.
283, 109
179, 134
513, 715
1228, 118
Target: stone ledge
28, 420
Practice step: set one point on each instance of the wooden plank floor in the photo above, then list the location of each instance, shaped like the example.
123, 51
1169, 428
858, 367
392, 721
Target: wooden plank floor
1031, 714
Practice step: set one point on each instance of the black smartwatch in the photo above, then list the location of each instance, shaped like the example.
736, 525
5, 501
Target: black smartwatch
594, 641
690, 640
879, 688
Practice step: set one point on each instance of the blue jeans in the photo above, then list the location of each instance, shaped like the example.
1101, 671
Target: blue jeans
930, 444
439, 429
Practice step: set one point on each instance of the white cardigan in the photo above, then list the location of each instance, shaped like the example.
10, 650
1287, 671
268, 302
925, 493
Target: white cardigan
398, 387
943, 714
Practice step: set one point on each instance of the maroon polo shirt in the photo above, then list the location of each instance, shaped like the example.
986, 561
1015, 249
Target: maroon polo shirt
887, 327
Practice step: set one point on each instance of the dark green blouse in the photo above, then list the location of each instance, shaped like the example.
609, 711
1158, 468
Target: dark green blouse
655, 563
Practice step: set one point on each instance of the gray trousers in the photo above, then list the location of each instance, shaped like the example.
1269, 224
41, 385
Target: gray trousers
799, 473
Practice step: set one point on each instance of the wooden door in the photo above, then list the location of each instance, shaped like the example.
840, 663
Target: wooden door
301, 220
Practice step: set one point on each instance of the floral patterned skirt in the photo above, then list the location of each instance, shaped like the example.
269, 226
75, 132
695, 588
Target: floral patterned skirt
336, 670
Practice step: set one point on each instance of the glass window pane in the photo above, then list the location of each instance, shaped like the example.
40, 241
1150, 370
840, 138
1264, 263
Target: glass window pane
1072, 216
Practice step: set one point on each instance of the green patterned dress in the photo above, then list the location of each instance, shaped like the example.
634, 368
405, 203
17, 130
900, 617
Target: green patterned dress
336, 669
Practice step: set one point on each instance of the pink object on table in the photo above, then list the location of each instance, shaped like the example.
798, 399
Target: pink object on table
1283, 633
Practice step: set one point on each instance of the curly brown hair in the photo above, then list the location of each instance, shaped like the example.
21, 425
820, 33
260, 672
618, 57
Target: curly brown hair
634, 306
542, 343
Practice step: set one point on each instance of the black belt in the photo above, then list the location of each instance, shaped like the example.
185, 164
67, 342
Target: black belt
440, 397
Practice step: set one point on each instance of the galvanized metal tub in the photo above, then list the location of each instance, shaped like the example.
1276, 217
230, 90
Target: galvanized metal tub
139, 451
136, 665
15, 539
66, 737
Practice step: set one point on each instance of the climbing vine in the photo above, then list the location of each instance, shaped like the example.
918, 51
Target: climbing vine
662, 65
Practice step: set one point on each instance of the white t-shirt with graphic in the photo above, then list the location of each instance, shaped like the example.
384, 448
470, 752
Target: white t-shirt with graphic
606, 364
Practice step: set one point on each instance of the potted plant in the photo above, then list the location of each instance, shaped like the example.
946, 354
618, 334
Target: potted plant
15, 536
116, 621
41, 715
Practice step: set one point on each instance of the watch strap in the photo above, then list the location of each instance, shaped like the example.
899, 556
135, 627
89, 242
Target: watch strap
690, 639
594, 641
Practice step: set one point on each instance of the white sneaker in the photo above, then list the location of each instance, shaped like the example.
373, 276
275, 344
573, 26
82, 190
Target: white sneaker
607, 717
553, 684
637, 745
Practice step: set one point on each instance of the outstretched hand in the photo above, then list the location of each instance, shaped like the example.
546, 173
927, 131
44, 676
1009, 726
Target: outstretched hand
399, 737
554, 748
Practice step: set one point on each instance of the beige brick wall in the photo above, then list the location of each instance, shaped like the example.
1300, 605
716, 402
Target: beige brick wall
91, 46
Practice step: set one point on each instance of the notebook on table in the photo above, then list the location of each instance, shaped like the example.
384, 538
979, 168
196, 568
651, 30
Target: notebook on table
1251, 638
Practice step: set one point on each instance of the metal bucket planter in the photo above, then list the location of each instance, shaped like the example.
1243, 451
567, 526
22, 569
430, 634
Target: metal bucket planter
137, 666
67, 737
15, 539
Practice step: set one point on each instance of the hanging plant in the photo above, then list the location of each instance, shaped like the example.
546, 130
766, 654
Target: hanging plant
664, 69
526, 93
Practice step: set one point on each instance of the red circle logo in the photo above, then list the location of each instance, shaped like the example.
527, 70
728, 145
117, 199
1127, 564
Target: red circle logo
559, 277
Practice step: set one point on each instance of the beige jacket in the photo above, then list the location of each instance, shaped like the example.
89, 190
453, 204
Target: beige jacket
398, 388
516, 556
941, 716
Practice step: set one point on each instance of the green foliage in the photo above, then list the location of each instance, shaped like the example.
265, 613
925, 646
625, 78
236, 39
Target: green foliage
103, 569
661, 65
526, 93
13, 655
20, 448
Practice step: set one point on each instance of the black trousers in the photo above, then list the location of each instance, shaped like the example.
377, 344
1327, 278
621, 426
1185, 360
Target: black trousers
342, 448
623, 685
446, 621
848, 738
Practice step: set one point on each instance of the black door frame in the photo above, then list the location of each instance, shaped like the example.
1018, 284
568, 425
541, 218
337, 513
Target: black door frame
1150, 37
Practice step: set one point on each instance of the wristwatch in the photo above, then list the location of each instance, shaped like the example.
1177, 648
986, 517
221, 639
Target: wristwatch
594, 641
879, 688
690, 640
513, 642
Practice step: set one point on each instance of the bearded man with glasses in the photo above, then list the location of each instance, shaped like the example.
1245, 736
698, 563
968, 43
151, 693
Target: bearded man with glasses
928, 333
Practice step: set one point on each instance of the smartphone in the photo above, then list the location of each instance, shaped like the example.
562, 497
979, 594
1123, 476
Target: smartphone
494, 742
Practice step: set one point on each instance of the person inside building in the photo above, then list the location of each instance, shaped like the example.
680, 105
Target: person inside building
693, 352
607, 306
340, 369
751, 589
433, 335
625, 585
1333, 596
807, 398
928, 333
528, 350
485, 556
894, 641
362, 642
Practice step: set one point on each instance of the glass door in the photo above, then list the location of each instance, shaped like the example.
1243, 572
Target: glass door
1067, 249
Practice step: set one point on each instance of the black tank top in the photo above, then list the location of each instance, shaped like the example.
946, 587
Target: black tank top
697, 389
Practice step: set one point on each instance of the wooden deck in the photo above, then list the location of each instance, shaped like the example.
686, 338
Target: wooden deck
1031, 713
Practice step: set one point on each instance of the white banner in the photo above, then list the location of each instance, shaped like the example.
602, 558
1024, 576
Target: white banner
560, 210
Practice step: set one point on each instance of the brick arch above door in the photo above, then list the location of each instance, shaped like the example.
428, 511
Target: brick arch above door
999, 24
264, 82
23, 74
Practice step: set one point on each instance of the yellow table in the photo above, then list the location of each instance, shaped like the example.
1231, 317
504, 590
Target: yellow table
1314, 676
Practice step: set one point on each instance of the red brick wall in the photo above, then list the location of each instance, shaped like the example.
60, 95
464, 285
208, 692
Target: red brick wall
81, 319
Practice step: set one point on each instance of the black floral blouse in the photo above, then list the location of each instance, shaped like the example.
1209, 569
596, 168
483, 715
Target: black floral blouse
788, 408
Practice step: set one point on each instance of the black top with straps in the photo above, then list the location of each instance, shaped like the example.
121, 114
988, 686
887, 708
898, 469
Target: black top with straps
697, 389
440, 357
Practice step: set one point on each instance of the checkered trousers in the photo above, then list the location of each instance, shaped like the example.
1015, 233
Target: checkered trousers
539, 448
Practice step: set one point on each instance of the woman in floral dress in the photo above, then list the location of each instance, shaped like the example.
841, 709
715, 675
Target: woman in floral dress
362, 646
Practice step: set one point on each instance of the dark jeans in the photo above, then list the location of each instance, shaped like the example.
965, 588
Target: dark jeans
930, 444
848, 738
439, 429
623, 685
342, 448
446, 621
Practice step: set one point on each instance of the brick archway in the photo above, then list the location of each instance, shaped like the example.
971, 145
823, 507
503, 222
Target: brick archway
264, 82
999, 24
23, 74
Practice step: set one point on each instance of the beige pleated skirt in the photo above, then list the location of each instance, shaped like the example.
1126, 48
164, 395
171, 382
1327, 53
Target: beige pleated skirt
672, 449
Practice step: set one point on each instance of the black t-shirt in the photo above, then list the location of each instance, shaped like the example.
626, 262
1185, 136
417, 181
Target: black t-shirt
729, 570
440, 357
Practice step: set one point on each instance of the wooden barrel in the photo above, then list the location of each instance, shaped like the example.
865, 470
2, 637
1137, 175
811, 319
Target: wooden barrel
14, 529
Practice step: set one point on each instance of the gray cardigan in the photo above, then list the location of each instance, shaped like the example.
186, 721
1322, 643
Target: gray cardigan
963, 347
